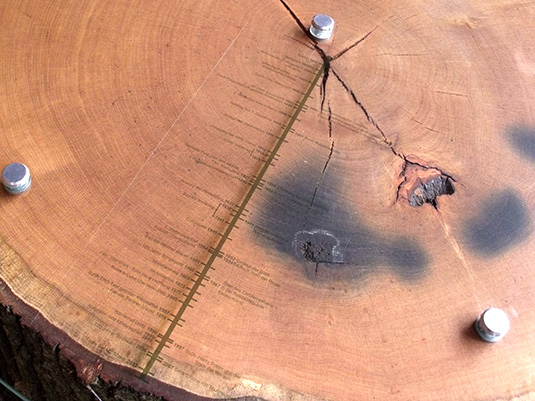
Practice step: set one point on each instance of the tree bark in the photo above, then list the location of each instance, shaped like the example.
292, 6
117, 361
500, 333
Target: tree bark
42, 369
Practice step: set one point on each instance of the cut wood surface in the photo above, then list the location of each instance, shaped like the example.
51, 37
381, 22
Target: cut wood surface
221, 205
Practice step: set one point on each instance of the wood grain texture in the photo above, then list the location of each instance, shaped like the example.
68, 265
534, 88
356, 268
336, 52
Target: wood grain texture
398, 207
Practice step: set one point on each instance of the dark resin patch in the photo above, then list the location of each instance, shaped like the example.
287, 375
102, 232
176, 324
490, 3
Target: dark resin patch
503, 223
522, 139
327, 239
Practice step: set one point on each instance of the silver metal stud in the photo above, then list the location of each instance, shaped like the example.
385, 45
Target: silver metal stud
322, 27
16, 178
492, 325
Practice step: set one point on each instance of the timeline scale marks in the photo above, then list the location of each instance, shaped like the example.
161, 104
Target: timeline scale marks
215, 252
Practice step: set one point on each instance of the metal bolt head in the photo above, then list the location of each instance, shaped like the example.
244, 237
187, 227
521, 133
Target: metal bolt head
16, 178
322, 27
492, 325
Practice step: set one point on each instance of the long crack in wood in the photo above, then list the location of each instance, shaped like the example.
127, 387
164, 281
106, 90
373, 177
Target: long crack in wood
294, 16
353, 45
326, 58
368, 116
415, 163
429, 186
323, 55
427, 190
318, 183
330, 119
323, 86
402, 174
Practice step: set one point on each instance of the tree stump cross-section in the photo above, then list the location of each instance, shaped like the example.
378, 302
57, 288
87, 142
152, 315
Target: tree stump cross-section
222, 207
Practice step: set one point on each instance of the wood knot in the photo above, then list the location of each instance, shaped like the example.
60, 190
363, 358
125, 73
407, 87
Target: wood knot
422, 184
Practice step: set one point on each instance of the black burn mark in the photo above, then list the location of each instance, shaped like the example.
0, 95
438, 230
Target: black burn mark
522, 139
427, 192
327, 239
317, 246
503, 223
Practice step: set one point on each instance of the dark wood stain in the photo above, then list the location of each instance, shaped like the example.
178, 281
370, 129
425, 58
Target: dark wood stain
327, 239
503, 222
522, 140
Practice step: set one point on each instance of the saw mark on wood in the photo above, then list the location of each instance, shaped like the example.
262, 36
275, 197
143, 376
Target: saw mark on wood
151, 154
425, 126
452, 93
460, 254
503, 222
401, 54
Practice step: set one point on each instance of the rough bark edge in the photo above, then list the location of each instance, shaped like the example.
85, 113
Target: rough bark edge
44, 364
